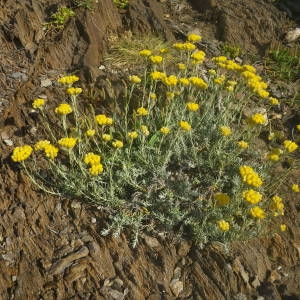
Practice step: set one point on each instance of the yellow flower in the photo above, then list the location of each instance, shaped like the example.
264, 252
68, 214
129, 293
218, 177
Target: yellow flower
92, 159
192, 106
164, 50
170, 95
262, 93
273, 101
258, 119
257, 212
290, 146
133, 135
21, 153
249, 68
40, 145
250, 177
212, 72
198, 82
152, 96
106, 137
145, 130
96, 169
156, 59
184, 81
282, 227
74, 91
145, 52
164, 130
90, 132
194, 38
295, 188
219, 58
156, 75
273, 156
220, 80
68, 80
134, 79
243, 144
103, 120
117, 144
181, 66
170, 80
67, 142
50, 151
198, 56
225, 130
298, 127
222, 199
185, 125
223, 225
141, 111
277, 206
184, 46
63, 109
252, 196
230, 88
38, 103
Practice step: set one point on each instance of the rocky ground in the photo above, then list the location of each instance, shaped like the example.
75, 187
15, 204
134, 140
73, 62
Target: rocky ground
51, 248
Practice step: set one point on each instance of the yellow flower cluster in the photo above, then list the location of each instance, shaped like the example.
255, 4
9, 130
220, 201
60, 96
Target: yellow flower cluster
290, 146
106, 137
92, 159
74, 91
192, 106
225, 130
156, 59
117, 144
298, 127
282, 227
133, 135
141, 111
185, 125
273, 101
68, 80
277, 206
198, 56
21, 153
152, 96
184, 81
164, 130
224, 62
90, 132
40, 145
145, 52
103, 120
181, 66
198, 82
222, 199
67, 142
249, 68
63, 109
96, 169
295, 188
135, 79
194, 38
38, 103
170, 80
259, 119
223, 225
255, 83
184, 46
50, 151
252, 196
250, 177
145, 130
156, 75
220, 80
257, 212
243, 144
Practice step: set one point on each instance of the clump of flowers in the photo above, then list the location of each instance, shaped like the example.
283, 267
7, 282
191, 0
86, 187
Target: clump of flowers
180, 153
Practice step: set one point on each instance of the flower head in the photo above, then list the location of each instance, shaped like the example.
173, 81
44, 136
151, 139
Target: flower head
156, 59
223, 225
103, 120
67, 142
145, 130
282, 227
252, 196
192, 106
135, 79
295, 188
257, 212
63, 109
170, 80
181, 66
243, 144
290, 146
277, 206
68, 80
21, 153
92, 159
185, 125
250, 177
106, 137
90, 132
145, 52
133, 135
198, 82
117, 144
50, 151
38, 103
40, 145
96, 169
194, 38
225, 130
74, 91
164, 130
141, 111
258, 119
156, 75
222, 199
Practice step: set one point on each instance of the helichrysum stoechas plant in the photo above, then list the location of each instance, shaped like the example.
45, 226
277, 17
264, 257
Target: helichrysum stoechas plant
180, 154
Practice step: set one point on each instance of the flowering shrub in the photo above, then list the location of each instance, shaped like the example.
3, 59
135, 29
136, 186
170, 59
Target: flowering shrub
179, 157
